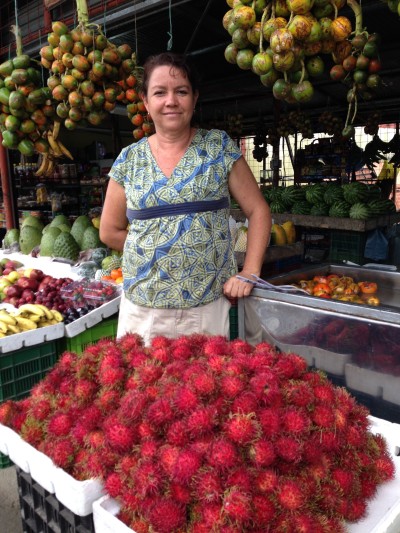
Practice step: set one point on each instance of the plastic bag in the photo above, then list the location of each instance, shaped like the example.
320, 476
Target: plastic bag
377, 246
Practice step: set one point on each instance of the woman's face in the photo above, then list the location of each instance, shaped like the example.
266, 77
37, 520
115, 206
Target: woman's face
170, 100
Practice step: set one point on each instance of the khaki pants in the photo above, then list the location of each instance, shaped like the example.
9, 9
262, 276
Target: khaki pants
210, 319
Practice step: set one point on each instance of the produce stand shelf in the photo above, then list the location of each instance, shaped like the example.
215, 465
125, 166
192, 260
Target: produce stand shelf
107, 329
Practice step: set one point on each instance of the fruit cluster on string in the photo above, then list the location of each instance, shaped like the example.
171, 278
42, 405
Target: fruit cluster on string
200, 434
89, 75
281, 42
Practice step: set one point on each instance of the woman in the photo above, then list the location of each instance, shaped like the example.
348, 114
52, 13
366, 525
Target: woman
173, 189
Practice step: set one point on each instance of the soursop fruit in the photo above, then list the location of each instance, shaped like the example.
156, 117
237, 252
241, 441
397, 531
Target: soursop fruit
91, 238
64, 227
11, 237
78, 228
48, 240
32, 221
66, 246
60, 219
29, 238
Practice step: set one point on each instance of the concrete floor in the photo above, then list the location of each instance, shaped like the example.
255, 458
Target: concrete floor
10, 516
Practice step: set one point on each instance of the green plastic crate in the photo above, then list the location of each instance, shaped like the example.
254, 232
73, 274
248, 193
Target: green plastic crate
107, 329
22, 369
347, 246
4, 461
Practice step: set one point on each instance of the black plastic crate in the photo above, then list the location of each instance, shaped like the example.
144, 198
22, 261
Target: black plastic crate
41, 512
347, 246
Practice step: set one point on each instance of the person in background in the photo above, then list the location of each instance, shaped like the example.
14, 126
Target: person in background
173, 189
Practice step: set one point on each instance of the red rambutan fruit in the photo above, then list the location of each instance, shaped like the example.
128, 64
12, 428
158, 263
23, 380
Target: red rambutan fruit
110, 376
263, 510
262, 453
200, 421
177, 433
160, 342
231, 386
146, 430
236, 505
299, 393
270, 421
132, 405
139, 525
186, 465
148, 373
384, 468
160, 412
95, 439
114, 485
209, 513
130, 501
126, 464
289, 448
245, 403
239, 346
216, 345
185, 399
129, 341
290, 494
305, 523
135, 358
162, 355
324, 393
59, 424
356, 509
91, 416
108, 400
290, 366
149, 448
62, 452
147, 478
167, 457
167, 515
204, 383
329, 497
323, 416
222, 454
41, 407
207, 486
32, 431
265, 386
180, 493
266, 481
344, 479
85, 390
296, 421
119, 436
66, 362
202, 444
241, 478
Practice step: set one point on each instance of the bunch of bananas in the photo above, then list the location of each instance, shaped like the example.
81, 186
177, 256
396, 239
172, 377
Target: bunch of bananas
56, 150
27, 318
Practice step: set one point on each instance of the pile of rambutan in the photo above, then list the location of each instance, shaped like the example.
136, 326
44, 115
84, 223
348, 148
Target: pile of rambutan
200, 434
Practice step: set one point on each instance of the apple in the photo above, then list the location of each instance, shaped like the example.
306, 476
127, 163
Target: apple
13, 276
28, 295
14, 301
7, 271
36, 274
28, 283
4, 282
13, 290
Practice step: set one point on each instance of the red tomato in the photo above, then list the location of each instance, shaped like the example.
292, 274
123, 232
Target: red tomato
368, 287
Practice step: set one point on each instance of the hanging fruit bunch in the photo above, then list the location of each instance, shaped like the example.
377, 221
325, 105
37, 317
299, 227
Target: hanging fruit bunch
89, 75
330, 124
282, 42
357, 65
25, 106
293, 122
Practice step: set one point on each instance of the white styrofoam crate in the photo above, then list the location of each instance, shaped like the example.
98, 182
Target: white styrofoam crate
42, 469
78, 496
18, 451
5, 435
94, 317
105, 519
374, 383
31, 338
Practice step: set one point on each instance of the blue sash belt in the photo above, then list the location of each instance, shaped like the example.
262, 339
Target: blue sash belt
177, 209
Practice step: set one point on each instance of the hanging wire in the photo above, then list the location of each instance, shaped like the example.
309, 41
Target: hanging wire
135, 24
104, 19
169, 44
16, 12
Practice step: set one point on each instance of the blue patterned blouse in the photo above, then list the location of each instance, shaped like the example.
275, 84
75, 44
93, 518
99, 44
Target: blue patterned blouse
179, 260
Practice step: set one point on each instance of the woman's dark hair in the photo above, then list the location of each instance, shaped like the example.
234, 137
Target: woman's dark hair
175, 61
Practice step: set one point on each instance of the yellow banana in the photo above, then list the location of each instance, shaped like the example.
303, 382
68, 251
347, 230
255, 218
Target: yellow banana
3, 327
43, 165
46, 310
7, 318
2, 335
13, 329
31, 309
25, 323
64, 150
31, 316
46, 323
54, 145
57, 316
56, 129
50, 168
